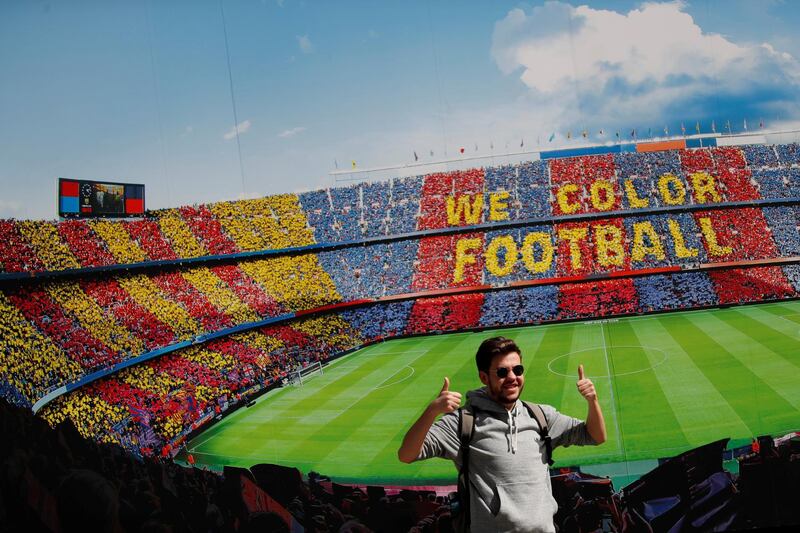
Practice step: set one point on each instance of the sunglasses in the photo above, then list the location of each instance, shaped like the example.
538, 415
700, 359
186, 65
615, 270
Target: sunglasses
502, 372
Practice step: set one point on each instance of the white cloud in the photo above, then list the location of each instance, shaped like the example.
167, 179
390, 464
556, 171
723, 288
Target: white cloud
583, 62
291, 132
305, 44
242, 127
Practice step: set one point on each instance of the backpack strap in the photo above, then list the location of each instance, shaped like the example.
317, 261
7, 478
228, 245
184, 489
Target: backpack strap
536, 412
466, 427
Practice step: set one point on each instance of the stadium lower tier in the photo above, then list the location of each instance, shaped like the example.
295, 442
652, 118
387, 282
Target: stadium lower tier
152, 405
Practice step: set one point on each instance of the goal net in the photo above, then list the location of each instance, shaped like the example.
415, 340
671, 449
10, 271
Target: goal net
300, 376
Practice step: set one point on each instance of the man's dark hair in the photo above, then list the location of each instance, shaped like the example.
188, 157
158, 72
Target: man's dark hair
493, 347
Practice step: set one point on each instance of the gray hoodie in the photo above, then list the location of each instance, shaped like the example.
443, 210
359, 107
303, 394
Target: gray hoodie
510, 484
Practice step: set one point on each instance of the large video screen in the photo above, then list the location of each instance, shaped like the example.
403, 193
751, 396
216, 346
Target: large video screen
86, 199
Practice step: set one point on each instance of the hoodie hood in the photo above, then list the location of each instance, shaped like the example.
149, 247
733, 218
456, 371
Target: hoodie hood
480, 400
507, 471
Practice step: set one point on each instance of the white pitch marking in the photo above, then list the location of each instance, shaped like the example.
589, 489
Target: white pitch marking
611, 390
396, 382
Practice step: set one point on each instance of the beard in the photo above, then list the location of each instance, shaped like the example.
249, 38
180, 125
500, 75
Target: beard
505, 395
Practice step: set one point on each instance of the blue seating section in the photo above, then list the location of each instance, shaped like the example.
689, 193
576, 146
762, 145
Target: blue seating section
521, 306
533, 190
778, 182
406, 193
502, 178
317, 206
398, 268
347, 212
368, 271
676, 291
379, 321
793, 275
647, 164
364, 210
376, 207
788, 154
783, 223
759, 155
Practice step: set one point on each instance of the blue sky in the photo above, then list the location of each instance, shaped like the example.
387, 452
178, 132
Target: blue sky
141, 92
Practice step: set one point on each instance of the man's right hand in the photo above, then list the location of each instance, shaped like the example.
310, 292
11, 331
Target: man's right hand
447, 401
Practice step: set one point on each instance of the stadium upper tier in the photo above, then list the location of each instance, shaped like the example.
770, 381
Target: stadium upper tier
546, 240
532, 190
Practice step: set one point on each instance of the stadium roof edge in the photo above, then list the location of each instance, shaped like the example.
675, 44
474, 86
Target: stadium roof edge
702, 140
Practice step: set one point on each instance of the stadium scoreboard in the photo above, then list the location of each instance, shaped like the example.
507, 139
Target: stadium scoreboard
90, 199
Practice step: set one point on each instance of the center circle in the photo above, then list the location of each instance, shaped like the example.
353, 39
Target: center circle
595, 359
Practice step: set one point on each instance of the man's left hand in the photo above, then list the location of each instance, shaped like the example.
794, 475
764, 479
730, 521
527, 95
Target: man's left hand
585, 386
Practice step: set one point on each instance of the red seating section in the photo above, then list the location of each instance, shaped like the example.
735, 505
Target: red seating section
208, 230
85, 244
141, 322
148, 236
195, 302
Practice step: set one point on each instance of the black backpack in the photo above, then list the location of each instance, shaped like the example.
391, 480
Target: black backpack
466, 428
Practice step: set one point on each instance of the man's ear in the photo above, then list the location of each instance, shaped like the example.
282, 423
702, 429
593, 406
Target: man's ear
484, 377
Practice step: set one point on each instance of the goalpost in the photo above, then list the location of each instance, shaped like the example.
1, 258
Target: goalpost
306, 373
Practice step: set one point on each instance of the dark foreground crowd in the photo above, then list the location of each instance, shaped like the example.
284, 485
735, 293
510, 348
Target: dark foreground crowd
53, 480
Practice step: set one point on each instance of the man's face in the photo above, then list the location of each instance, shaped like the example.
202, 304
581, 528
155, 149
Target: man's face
506, 390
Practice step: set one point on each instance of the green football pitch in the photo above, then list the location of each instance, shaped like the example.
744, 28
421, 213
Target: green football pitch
667, 383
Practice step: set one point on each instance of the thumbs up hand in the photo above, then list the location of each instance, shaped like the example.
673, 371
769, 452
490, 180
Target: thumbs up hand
585, 386
447, 401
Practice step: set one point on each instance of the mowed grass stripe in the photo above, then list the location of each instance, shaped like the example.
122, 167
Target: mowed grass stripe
326, 437
636, 384
334, 398
288, 417
588, 349
401, 402
744, 391
293, 414
552, 356
774, 369
775, 333
786, 310
458, 364
542, 385
702, 412
702, 396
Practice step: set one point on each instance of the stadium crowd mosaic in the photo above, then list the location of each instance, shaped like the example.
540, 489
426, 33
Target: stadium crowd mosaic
551, 240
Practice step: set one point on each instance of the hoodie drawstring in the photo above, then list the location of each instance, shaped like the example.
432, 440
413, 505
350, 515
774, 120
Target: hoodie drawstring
513, 429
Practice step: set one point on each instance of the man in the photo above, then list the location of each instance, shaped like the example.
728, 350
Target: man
508, 471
